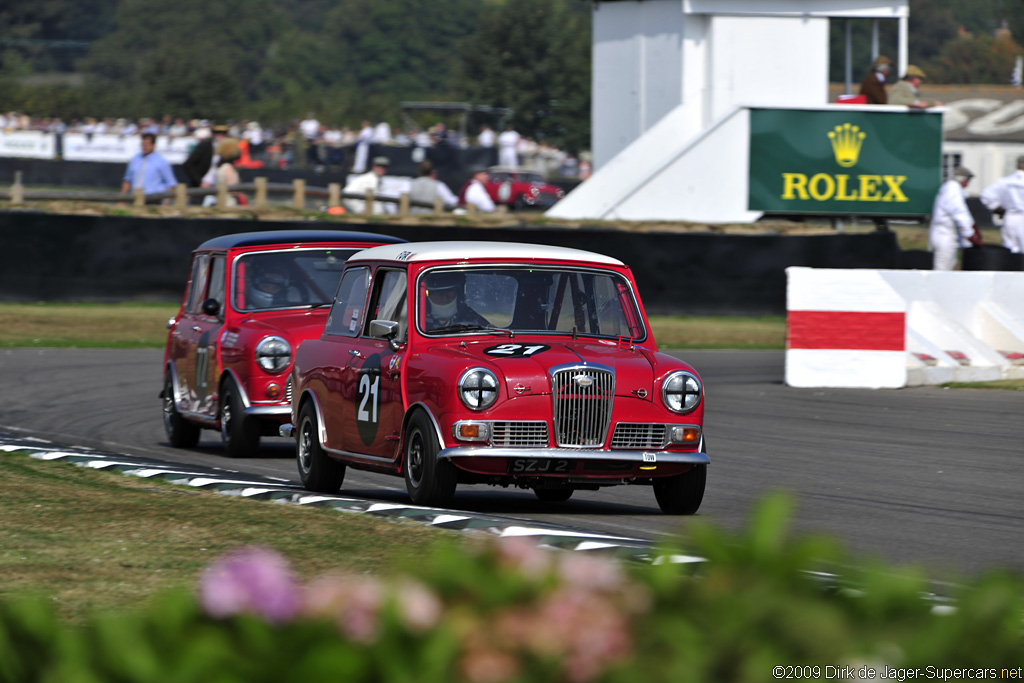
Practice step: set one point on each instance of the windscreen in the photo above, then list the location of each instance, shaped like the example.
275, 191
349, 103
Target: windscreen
589, 302
293, 278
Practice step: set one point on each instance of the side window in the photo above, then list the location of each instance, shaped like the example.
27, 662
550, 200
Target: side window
217, 281
347, 312
197, 287
389, 300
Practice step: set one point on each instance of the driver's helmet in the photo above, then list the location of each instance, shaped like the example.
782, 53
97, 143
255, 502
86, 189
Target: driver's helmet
443, 289
268, 286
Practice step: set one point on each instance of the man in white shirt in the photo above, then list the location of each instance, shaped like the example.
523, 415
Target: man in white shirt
367, 181
427, 188
507, 143
952, 226
486, 137
1006, 196
476, 195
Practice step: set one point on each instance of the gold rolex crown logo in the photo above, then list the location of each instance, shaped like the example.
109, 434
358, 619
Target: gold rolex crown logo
846, 141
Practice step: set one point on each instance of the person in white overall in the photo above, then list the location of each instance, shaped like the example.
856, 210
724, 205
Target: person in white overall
1006, 196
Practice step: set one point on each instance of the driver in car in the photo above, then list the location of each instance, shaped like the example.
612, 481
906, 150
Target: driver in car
268, 289
446, 304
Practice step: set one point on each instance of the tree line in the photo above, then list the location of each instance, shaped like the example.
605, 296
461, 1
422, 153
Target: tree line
350, 60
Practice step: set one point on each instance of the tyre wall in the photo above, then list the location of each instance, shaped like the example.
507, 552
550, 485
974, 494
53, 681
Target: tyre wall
105, 258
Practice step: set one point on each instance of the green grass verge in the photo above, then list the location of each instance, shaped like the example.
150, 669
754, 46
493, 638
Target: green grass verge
88, 540
144, 325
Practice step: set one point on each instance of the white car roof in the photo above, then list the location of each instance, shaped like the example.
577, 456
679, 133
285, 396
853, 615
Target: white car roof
414, 252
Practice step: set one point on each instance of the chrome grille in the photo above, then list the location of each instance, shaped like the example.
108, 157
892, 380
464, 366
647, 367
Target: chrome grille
583, 397
639, 436
519, 434
288, 390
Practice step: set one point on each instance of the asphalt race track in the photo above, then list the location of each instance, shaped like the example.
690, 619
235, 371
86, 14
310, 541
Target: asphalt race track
924, 476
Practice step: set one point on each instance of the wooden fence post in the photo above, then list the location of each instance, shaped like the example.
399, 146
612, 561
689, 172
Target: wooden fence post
180, 196
299, 194
333, 195
17, 189
438, 205
471, 209
140, 197
368, 209
403, 204
222, 193
261, 192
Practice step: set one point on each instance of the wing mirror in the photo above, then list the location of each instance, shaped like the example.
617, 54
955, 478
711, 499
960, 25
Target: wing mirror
210, 307
386, 329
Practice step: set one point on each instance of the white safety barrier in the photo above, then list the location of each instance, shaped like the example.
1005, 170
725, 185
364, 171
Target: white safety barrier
896, 328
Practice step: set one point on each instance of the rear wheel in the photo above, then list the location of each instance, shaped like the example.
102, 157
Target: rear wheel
553, 495
240, 434
428, 480
683, 493
180, 432
318, 471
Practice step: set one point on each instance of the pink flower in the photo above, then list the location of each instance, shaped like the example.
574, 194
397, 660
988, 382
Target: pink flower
419, 606
251, 580
353, 602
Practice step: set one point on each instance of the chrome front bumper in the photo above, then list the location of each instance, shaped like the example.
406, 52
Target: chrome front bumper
656, 457
286, 430
268, 411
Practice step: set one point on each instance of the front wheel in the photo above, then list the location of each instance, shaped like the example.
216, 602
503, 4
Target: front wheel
318, 471
180, 432
428, 480
683, 493
241, 435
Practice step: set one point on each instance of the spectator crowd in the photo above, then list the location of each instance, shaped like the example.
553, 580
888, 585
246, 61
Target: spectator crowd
310, 143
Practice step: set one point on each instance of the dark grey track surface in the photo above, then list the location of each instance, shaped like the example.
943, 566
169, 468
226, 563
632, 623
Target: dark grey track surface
925, 476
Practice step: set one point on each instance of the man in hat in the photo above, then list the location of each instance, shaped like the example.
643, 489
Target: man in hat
1006, 196
952, 227
905, 92
371, 180
873, 86
475, 194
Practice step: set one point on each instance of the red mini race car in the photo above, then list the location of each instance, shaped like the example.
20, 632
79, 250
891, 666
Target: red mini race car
490, 363
520, 188
250, 299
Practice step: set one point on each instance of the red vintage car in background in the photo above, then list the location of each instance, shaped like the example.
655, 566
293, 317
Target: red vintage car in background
521, 188
251, 298
491, 363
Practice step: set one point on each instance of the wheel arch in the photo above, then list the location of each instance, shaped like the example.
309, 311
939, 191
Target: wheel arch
230, 373
419, 406
308, 396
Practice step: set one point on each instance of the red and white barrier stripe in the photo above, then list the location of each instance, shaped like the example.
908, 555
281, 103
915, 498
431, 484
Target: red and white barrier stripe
845, 328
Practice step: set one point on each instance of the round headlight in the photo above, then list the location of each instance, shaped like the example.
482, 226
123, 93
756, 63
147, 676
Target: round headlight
273, 354
478, 388
681, 392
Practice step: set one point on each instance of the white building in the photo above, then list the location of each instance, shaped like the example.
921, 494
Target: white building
673, 81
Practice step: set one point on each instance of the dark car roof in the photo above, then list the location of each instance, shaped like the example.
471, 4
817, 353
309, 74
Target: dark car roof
255, 239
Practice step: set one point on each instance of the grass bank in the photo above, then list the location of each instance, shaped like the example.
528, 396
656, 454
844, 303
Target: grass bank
87, 539
144, 325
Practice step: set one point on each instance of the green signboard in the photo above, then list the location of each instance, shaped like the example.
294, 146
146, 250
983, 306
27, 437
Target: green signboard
844, 162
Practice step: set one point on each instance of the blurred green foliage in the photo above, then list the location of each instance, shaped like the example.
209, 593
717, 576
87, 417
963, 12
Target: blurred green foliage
508, 611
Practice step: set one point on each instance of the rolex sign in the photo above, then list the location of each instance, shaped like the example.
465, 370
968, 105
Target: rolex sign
844, 162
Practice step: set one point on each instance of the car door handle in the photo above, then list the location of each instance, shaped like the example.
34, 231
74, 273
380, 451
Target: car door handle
354, 352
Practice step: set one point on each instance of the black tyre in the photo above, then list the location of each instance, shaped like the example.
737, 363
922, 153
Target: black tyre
240, 434
429, 481
519, 204
553, 495
682, 494
180, 432
318, 471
